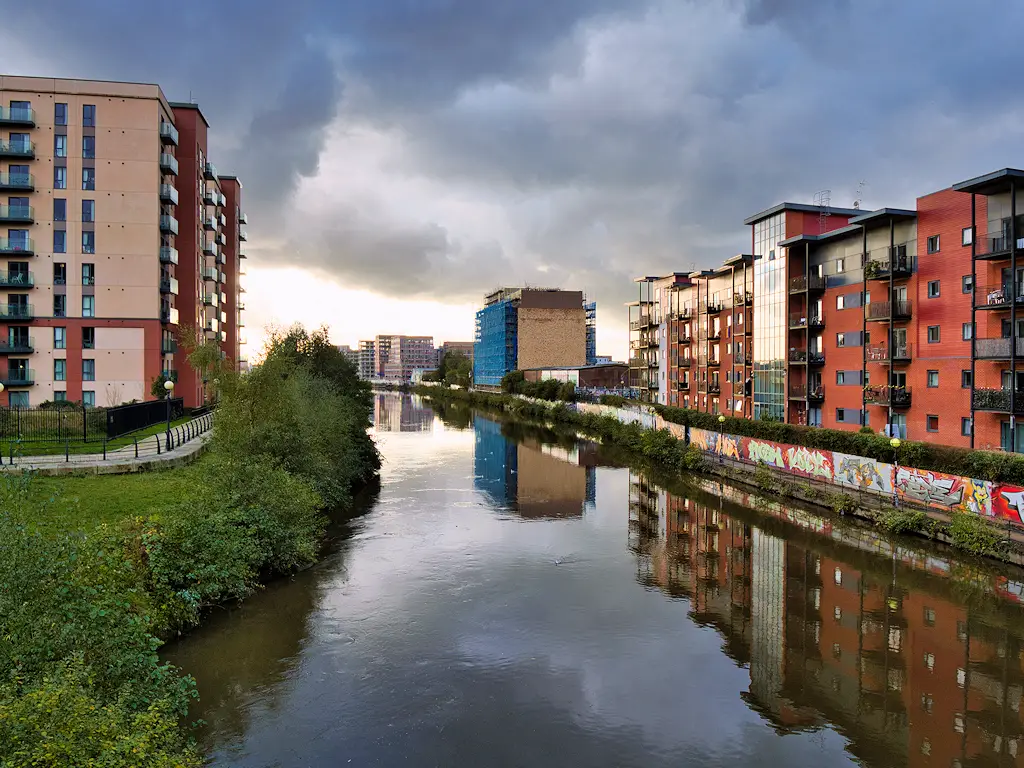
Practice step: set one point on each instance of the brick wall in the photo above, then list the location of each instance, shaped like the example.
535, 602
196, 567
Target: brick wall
552, 337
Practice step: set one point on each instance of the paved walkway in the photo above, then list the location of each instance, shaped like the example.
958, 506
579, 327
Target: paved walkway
188, 442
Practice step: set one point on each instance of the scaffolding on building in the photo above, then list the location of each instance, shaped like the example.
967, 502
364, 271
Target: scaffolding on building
591, 310
496, 344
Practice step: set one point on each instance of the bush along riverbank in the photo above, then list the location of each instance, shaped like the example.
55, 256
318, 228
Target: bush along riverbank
969, 532
83, 611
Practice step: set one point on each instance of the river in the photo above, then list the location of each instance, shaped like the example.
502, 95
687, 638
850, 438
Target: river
510, 597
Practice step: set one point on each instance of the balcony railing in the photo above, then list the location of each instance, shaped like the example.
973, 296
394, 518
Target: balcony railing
888, 310
898, 397
883, 263
17, 346
682, 386
168, 255
879, 353
19, 377
168, 224
210, 197
21, 182
168, 346
243, 235
243, 218
168, 194
169, 285
168, 163
16, 312
714, 388
18, 246
803, 320
803, 356
998, 400
997, 349
998, 296
17, 116
168, 133
741, 298
814, 393
169, 315
714, 362
210, 224
714, 335
210, 171
212, 274
805, 283
993, 246
16, 280
17, 214
24, 150
715, 306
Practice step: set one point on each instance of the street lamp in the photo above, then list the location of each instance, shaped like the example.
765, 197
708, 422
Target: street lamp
169, 388
721, 438
895, 444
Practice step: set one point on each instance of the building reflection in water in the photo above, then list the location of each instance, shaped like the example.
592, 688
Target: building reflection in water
394, 412
839, 628
534, 478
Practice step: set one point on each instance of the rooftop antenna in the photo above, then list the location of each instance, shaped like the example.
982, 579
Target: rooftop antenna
823, 199
860, 194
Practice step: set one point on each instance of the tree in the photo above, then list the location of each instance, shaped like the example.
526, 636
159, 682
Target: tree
455, 369
205, 357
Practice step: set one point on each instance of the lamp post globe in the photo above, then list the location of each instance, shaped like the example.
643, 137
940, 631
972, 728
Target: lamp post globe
169, 389
895, 442
169, 386
721, 419
1, 387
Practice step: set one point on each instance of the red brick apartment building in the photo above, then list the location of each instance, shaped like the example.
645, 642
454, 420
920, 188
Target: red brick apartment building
904, 321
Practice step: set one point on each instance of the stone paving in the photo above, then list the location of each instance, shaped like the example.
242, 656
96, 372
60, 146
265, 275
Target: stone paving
189, 441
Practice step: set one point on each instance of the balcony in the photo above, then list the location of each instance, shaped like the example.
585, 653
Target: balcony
22, 246
745, 299
714, 362
210, 224
168, 194
224, 278
885, 311
210, 197
241, 254
243, 235
800, 320
813, 394
897, 397
714, 335
23, 150
209, 299
997, 349
168, 255
221, 238
212, 326
995, 246
209, 171
169, 315
879, 353
168, 134
801, 356
715, 306
682, 339
17, 214
168, 224
210, 274
714, 388
221, 200
16, 280
998, 400
899, 266
168, 347
223, 260
803, 284
23, 116
243, 218
23, 377
168, 164
169, 285
998, 296
17, 182
17, 346
9, 312
209, 248
222, 219
682, 386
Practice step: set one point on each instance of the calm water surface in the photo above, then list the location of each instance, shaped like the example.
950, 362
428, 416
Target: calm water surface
512, 599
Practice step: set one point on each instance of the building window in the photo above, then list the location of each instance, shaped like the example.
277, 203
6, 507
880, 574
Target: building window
60, 146
933, 244
88, 398
840, 302
60, 273
89, 115
88, 338
60, 337
60, 370
60, 241
840, 339
840, 266
933, 334
89, 147
88, 306
966, 378
929, 617
967, 331
60, 114
933, 423
967, 235
60, 209
933, 289
967, 284
965, 426
60, 396
88, 178
88, 370
933, 379
18, 399
88, 242
88, 210
88, 274
840, 377
60, 177
60, 305
840, 415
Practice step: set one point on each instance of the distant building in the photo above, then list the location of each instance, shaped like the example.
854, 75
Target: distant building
521, 328
396, 357
465, 347
367, 360
598, 359
600, 376
351, 354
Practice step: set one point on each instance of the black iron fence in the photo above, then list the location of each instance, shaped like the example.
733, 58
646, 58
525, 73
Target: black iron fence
62, 423
129, 418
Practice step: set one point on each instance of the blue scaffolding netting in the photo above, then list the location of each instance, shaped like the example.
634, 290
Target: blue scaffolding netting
496, 343
591, 310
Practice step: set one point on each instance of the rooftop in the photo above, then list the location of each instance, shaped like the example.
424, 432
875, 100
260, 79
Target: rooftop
883, 216
803, 208
991, 183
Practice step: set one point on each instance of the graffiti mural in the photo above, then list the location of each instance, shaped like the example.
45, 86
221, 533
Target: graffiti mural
727, 446
950, 492
809, 462
862, 474
1008, 503
764, 452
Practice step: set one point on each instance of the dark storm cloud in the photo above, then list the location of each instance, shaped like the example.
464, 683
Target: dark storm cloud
618, 136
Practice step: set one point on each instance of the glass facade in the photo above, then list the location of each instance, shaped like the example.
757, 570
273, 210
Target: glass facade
770, 296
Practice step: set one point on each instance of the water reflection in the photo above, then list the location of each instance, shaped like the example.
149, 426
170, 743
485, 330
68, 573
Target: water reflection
394, 412
536, 479
836, 626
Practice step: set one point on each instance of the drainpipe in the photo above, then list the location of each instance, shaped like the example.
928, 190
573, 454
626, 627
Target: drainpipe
974, 304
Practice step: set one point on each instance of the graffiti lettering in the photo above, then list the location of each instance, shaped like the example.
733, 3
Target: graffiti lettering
1014, 501
929, 487
813, 463
862, 474
766, 453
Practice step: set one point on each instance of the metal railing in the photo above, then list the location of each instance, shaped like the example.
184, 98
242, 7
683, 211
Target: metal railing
804, 320
17, 181
17, 245
16, 280
898, 397
17, 148
804, 283
998, 400
814, 393
997, 349
22, 213
895, 262
16, 312
880, 353
19, 115
888, 310
994, 245
997, 296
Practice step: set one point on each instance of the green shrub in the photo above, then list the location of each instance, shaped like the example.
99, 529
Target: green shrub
694, 459
766, 480
972, 534
903, 520
841, 503
865, 431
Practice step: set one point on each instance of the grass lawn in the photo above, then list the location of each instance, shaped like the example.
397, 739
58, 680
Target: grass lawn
30, 448
80, 503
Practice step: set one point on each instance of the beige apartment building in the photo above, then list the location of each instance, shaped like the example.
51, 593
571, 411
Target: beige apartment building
115, 232
396, 357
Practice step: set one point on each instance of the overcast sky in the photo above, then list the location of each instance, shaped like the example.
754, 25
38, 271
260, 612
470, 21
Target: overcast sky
402, 157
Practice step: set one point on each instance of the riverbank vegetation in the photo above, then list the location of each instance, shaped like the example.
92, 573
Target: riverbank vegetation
86, 593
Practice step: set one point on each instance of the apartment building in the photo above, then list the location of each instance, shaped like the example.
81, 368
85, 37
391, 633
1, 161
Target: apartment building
104, 242
462, 347
367, 359
396, 357
521, 328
